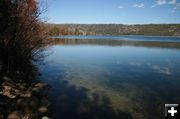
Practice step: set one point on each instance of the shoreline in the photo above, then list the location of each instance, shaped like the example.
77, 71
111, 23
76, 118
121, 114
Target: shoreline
64, 36
23, 100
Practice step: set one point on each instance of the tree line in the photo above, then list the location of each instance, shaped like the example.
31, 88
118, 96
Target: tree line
114, 29
60, 31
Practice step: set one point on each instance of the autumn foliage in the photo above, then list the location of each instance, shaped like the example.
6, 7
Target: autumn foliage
21, 35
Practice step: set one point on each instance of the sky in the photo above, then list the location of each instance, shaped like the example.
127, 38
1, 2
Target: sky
114, 11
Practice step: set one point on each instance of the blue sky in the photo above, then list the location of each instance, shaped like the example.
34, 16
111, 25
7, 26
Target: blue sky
114, 11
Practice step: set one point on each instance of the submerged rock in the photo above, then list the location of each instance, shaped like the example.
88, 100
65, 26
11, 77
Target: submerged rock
12, 91
7, 91
40, 85
43, 109
29, 98
45, 117
14, 115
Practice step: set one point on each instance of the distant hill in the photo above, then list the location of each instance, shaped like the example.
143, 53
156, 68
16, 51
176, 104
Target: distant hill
114, 29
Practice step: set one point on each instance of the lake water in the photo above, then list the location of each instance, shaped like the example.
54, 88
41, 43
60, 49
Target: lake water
110, 78
126, 37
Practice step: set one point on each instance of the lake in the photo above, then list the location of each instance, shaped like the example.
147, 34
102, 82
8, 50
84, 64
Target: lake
112, 77
126, 37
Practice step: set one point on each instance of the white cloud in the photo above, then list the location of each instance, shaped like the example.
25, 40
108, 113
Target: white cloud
161, 2
120, 7
161, 70
139, 5
176, 7
172, 2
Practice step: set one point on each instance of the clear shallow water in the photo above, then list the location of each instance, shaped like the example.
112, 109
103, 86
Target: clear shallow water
112, 79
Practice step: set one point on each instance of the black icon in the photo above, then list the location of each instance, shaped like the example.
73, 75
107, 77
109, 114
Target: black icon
172, 111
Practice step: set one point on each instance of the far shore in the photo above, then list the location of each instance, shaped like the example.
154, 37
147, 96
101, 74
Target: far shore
112, 36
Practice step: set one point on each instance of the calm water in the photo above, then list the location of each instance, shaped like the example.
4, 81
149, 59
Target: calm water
112, 78
126, 37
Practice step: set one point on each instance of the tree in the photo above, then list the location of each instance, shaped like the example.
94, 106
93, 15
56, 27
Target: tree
21, 35
54, 31
77, 32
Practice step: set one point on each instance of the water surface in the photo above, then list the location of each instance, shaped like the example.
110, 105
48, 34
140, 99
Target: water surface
126, 38
112, 78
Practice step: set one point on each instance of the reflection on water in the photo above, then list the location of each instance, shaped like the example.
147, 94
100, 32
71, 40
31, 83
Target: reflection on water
93, 79
126, 38
109, 42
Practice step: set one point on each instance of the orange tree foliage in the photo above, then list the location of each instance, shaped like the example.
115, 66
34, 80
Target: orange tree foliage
21, 35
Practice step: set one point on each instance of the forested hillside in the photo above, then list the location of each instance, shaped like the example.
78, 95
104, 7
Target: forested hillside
114, 29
